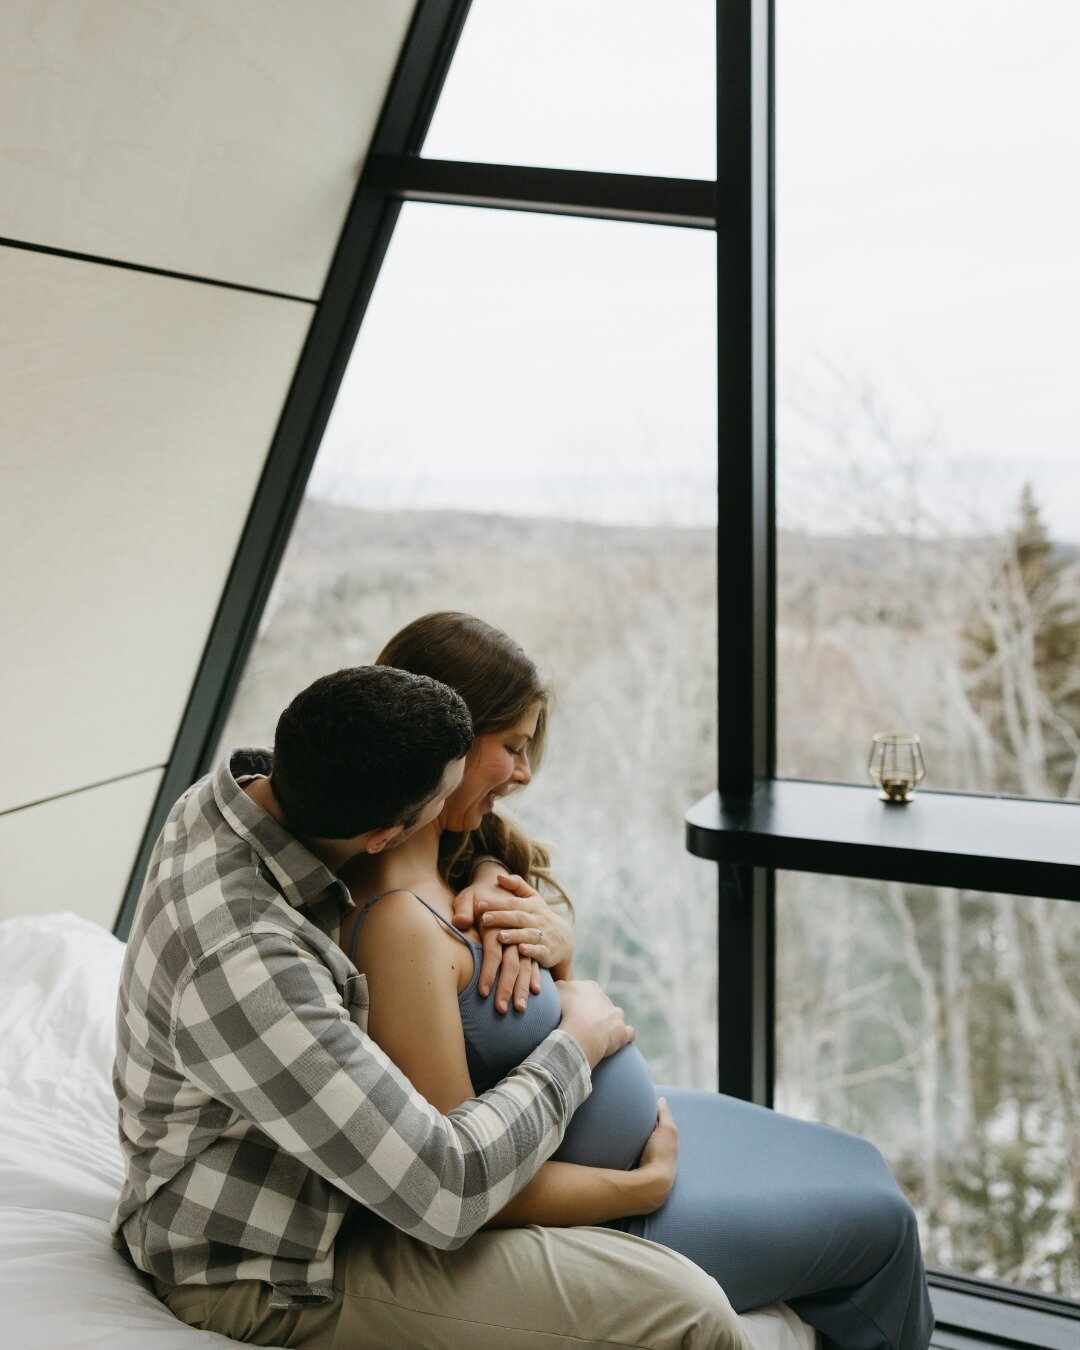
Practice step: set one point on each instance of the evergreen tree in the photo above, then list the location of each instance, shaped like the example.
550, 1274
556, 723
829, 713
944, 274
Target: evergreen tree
1022, 655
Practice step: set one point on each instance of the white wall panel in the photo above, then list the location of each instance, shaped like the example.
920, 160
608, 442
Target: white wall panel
221, 138
137, 413
75, 852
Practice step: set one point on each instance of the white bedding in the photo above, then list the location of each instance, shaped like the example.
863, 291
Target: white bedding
61, 1284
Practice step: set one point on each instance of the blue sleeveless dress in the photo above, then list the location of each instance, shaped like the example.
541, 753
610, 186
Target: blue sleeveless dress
776, 1209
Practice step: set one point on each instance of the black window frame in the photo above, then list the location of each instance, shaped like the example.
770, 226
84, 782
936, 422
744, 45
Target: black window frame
738, 206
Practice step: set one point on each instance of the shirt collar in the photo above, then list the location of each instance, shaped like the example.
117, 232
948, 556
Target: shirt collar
301, 876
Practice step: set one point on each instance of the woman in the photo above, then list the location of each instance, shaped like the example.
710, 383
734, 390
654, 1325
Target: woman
774, 1208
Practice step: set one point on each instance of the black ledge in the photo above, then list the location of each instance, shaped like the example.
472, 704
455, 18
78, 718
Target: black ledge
971, 1313
1003, 844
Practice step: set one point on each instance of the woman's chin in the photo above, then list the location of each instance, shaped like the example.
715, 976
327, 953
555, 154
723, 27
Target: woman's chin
467, 820
476, 817
470, 818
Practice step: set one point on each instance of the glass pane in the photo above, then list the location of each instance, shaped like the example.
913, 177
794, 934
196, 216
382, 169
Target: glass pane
621, 86
928, 306
527, 431
944, 1025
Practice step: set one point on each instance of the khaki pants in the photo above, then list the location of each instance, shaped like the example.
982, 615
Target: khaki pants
506, 1289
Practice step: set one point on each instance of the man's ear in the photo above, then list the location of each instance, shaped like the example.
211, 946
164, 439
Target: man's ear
377, 840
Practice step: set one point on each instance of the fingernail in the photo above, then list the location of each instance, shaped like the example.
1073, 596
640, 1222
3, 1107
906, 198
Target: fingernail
521, 1004
502, 1006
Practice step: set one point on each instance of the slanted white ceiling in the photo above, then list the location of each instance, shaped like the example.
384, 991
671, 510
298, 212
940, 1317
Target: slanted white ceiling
137, 414
75, 852
222, 138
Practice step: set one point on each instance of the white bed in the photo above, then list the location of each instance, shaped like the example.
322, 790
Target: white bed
61, 1284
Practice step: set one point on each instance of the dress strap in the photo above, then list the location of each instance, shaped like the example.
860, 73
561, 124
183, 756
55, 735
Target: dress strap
368, 903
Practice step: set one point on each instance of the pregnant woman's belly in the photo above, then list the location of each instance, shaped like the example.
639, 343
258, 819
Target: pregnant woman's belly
611, 1126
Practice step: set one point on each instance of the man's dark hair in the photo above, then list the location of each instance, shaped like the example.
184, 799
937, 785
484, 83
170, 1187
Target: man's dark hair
365, 749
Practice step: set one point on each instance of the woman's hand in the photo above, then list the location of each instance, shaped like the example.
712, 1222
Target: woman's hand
511, 916
523, 916
659, 1160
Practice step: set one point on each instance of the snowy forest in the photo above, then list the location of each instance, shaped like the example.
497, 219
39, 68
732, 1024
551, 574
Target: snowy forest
942, 1024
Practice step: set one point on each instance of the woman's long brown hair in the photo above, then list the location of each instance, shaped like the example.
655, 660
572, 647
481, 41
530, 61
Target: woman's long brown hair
500, 684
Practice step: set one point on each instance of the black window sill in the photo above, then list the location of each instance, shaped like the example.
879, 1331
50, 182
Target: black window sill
1003, 844
971, 1313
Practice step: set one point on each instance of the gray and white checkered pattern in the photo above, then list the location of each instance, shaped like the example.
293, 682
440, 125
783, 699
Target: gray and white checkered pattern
255, 1110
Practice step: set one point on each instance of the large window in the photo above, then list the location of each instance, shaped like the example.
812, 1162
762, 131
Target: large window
526, 431
928, 560
927, 326
942, 1025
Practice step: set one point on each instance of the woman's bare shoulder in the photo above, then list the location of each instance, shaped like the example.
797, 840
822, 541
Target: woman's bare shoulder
399, 928
396, 911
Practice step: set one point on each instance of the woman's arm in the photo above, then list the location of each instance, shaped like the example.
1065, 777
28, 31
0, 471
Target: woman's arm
414, 1017
564, 1195
413, 1012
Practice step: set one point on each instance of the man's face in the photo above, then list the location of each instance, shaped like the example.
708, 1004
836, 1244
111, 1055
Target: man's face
451, 780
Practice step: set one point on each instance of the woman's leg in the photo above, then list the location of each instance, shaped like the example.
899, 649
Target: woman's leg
785, 1210
530, 1288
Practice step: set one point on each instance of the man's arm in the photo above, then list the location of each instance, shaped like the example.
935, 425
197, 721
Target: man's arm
261, 1027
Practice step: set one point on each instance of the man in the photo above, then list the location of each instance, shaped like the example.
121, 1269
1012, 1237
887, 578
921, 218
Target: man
285, 1183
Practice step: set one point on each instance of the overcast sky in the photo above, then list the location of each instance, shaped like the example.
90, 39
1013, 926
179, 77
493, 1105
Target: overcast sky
928, 247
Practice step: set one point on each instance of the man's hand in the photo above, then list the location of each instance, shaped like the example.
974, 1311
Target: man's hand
597, 1024
512, 916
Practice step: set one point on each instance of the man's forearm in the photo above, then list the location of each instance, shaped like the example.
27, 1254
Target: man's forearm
542, 1104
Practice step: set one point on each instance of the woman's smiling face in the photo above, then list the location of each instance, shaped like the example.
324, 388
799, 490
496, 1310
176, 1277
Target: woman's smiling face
496, 762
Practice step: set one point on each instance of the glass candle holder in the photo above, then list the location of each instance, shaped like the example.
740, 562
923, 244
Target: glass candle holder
896, 765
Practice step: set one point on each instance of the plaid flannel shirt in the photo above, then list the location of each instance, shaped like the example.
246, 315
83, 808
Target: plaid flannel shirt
255, 1111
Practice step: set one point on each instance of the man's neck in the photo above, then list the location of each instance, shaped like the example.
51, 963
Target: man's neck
330, 854
262, 794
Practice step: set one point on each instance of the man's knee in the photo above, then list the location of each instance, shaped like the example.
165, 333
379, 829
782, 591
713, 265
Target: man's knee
708, 1317
692, 1311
